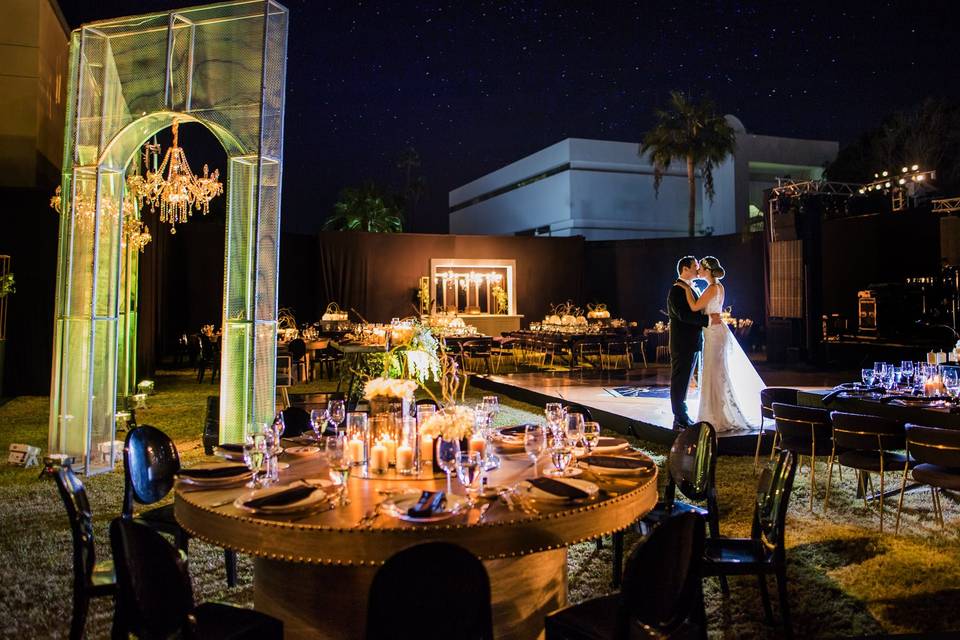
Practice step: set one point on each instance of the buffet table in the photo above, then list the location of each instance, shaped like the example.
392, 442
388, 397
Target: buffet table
314, 572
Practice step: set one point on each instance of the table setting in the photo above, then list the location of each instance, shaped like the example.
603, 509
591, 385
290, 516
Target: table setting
923, 385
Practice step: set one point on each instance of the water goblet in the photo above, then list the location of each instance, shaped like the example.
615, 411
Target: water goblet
279, 424
951, 380
254, 453
447, 452
336, 412
560, 454
591, 436
470, 473
906, 370
554, 414
534, 442
491, 405
573, 429
866, 375
318, 419
339, 461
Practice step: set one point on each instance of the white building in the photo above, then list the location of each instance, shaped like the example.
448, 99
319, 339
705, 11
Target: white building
603, 190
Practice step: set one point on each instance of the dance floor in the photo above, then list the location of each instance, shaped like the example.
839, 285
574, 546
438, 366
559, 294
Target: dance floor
638, 403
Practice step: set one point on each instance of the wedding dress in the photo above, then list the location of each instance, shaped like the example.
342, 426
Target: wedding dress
730, 386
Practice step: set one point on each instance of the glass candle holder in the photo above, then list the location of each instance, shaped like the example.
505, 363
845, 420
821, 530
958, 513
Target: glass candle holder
408, 451
358, 438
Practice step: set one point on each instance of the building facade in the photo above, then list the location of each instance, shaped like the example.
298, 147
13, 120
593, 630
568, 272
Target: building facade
603, 190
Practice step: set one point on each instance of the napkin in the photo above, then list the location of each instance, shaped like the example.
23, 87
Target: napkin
618, 462
222, 471
429, 503
558, 488
232, 448
611, 442
281, 498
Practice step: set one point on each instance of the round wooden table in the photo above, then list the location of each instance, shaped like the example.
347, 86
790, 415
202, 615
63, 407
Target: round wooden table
314, 572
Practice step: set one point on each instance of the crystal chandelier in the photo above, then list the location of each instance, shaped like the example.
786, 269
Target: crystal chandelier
134, 231
173, 187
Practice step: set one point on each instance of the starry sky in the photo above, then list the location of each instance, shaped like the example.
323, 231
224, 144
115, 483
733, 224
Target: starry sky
473, 86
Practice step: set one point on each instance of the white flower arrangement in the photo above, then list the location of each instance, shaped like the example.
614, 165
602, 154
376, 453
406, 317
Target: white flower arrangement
452, 423
389, 388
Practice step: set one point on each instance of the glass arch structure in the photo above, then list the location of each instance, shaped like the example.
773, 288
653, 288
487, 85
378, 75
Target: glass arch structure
224, 66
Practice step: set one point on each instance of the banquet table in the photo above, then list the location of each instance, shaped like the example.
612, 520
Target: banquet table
314, 572
943, 417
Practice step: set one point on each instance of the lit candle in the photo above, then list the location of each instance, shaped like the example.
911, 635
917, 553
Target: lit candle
404, 458
356, 450
378, 457
426, 449
391, 446
478, 444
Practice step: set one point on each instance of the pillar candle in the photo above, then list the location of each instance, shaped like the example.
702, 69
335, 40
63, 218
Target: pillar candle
391, 446
378, 457
426, 449
356, 450
479, 444
404, 458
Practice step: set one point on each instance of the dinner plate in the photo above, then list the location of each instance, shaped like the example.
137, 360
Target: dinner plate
600, 469
234, 456
302, 451
584, 485
397, 506
313, 500
611, 445
569, 472
508, 444
240, 477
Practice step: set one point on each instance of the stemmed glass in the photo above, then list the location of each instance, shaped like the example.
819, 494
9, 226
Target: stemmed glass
906, 371
879, 368
491, 405
866, 375
561, 454
573, 429
318, 419
534, 441
254, 453
336, 412
554, 414
951, 380
339, 462
591, 436
447, 452
469, 472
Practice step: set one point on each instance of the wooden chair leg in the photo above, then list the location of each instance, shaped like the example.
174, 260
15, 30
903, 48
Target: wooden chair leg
784, 601
826, 498
756, 454
765, 597
880, 500
813, 479
230, 563
903, 488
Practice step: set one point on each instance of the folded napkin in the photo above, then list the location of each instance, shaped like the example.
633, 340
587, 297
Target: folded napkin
517, 430
429, 503
618, 462
222, 471
611, 442
232, 448
558, 488
281, 498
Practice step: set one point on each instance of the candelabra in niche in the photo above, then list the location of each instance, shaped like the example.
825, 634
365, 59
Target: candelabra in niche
483, 289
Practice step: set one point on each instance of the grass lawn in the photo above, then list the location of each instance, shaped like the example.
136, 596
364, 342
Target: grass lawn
845, 577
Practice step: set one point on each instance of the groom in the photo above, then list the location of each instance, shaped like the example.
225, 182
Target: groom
686, 338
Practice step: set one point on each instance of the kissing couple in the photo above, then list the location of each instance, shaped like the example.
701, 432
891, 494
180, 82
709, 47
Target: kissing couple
729, 384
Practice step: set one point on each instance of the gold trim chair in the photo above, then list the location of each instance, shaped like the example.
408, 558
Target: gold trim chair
936, 457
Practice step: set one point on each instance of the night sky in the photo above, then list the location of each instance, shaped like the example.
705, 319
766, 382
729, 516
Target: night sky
474, 86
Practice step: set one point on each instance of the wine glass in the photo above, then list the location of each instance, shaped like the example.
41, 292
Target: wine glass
866, 375
573, 429
906, 370
561, 454
279, 424
254, 452
336, 411
951, 380
318, 419
491, 404
591, 436
878, 370
534, 441
339, 461
554, 414
447, 452
469, 472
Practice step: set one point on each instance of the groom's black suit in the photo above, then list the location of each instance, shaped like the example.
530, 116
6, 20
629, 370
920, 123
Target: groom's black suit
686, 339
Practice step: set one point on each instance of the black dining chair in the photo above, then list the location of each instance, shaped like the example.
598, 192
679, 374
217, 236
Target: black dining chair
428, 402
150, 464
868, 444
459, 603
807, 431
297, 350
91, 579
662, 594
936, 456
155, 596
768, 396
296, 422
764, 552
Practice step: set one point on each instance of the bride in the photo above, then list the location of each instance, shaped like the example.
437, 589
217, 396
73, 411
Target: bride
730, 386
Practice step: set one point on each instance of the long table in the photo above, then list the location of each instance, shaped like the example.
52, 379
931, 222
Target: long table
930, 417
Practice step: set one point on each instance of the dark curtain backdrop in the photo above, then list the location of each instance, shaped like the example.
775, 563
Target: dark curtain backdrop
633, 276
378, 274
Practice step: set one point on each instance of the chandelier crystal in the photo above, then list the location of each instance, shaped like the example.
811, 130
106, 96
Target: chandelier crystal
173, 187
134, 231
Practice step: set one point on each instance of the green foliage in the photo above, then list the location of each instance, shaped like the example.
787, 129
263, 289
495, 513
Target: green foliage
366, 208
691, 132
499, 298
7, 285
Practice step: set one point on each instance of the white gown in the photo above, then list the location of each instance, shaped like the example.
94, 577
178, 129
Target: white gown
730, 386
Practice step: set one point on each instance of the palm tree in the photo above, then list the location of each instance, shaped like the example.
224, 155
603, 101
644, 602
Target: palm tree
693, 132
365, 208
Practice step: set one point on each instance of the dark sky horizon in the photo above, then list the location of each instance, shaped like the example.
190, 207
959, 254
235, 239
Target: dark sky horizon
477, 86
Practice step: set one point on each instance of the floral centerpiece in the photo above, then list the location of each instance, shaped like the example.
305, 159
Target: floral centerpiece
452, 423
381, 392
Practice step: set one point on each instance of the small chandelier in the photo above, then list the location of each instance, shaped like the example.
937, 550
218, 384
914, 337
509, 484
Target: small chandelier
134, 231
173, 186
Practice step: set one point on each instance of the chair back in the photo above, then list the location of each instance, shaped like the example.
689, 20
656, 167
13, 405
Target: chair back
801, 427
297, 349
773, 498
296, 421
930, 445
692, 462
154, 594
316, 399
284, 371
459, 603
769, 395
662, 577
75, 501
579, 408
867, 433
150, 462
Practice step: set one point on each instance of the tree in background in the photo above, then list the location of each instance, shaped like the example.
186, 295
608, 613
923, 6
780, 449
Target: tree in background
692, 132
414, 185
365, 208
927, 134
